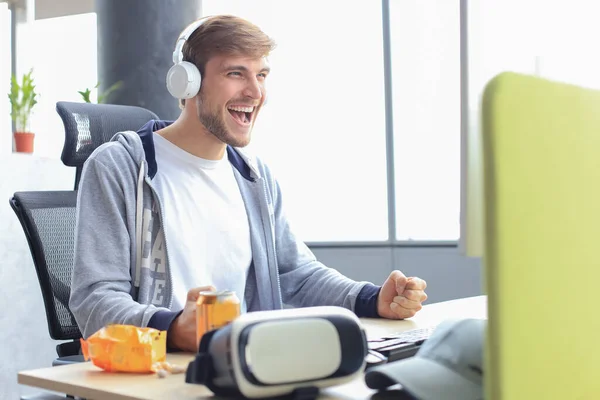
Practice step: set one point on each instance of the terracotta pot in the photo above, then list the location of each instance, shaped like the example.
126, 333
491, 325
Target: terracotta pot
24, 142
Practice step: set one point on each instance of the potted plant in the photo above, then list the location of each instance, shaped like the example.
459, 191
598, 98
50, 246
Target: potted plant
22, 98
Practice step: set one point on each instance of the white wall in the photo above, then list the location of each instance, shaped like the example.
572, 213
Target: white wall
24, 336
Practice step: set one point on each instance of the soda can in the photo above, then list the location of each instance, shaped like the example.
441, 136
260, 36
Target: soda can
215, 310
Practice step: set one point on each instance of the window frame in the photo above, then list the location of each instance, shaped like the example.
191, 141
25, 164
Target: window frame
392, 240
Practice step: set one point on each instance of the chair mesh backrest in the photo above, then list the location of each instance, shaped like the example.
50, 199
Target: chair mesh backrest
89, 125
48, 220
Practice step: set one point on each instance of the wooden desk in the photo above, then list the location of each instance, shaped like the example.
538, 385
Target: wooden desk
88, 381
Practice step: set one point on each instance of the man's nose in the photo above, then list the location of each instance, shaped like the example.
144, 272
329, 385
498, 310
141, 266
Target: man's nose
253, 90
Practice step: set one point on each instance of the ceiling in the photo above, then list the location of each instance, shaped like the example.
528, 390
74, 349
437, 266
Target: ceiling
54, 8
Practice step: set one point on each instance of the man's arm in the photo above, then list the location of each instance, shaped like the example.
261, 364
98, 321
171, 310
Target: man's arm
105, 244
306, 281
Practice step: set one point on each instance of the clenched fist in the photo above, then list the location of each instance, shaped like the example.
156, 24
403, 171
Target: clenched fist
401, 297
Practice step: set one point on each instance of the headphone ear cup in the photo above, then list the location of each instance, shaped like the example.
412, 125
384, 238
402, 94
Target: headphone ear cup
183, 80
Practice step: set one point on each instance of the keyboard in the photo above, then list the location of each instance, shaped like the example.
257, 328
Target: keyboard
397, 346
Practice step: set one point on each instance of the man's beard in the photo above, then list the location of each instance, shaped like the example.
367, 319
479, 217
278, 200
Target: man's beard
214, 123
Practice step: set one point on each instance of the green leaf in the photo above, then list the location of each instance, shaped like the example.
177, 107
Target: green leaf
102, 96
22, 98
85, 95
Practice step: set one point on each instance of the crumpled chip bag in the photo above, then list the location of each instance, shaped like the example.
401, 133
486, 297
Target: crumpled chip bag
126, 348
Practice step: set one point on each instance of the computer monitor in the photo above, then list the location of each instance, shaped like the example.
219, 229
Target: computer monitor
542, 227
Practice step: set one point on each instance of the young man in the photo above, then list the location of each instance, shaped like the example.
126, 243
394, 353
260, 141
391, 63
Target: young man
177, 208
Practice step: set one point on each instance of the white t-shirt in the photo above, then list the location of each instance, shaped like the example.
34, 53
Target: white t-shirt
205, 222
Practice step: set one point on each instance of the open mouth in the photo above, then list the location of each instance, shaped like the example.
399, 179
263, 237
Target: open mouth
242, 114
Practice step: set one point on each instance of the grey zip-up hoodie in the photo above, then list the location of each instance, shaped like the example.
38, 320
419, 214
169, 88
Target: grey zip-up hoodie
121, 268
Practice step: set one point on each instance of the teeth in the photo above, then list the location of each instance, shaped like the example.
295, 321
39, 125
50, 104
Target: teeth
242, 109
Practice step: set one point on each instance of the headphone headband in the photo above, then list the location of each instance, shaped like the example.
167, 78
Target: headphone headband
185, 35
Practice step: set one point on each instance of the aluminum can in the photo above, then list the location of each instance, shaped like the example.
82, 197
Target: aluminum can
215, 310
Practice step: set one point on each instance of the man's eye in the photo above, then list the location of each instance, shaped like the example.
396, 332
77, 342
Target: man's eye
234, 73
262, 76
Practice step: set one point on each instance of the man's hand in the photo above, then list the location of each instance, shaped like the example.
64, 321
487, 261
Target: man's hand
182, 333
401, 297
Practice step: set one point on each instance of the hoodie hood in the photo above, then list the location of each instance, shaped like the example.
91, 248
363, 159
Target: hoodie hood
237, 157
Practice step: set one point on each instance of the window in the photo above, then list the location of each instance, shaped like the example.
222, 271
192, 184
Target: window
5, 62
323, 129
63, 53
425, 53
568, 54
494, 49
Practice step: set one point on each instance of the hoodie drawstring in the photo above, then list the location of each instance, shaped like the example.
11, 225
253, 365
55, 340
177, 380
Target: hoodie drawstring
138, 226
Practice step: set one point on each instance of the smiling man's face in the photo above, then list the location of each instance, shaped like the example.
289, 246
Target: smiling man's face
231, 96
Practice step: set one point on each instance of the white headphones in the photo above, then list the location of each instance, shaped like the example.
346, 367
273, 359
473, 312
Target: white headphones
183, 78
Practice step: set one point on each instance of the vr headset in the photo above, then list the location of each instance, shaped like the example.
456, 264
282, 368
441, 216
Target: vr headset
282, 352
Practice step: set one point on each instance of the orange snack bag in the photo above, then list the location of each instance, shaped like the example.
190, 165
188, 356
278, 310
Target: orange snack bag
126, 348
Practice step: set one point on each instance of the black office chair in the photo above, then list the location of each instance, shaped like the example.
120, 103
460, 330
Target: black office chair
48, 217
48, 221
89, 125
